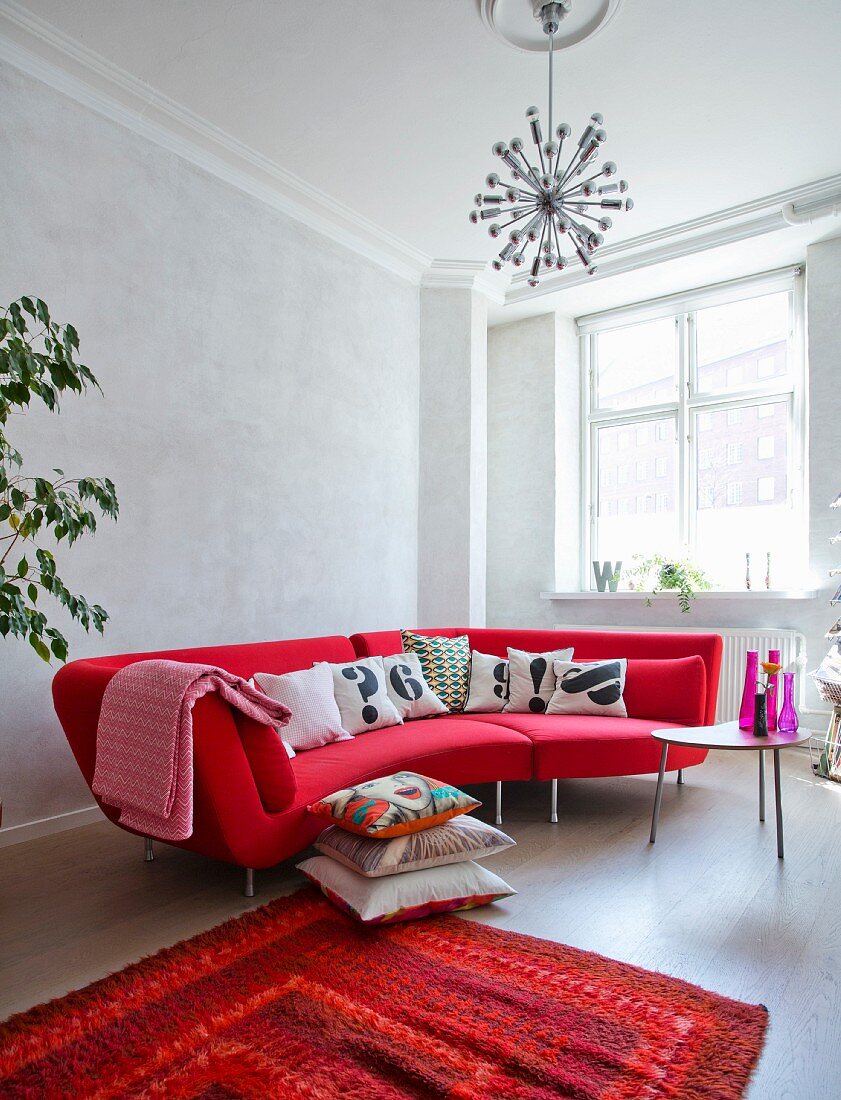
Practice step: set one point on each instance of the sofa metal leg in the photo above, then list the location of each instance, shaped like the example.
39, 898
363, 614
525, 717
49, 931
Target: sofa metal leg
553, 817
499, 803
249, 882
680, 776
148, 850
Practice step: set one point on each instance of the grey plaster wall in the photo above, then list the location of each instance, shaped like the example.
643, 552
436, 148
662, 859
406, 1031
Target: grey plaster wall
453, 458
534, 413
260, 417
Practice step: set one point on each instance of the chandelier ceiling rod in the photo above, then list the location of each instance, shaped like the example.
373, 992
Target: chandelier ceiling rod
553, 199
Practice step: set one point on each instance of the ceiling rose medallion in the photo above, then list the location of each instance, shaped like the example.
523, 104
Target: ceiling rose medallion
554, 198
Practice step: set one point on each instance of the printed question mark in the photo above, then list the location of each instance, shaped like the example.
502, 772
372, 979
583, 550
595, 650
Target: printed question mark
368, 685
537, 668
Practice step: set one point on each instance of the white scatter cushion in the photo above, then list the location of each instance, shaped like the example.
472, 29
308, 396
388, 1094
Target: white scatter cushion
531, 679
315, 717
405, 897
455, 841
289, 750
407, 688
590, 687
488, 691
360, 692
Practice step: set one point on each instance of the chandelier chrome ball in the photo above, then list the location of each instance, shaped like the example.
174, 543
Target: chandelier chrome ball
551, 196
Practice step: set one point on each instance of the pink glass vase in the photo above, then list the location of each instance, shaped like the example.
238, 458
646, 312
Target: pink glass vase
787, 721
748, 695
773, 690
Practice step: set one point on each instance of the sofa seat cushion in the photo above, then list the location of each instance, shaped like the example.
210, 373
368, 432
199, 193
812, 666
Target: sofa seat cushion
576, 746
452, 749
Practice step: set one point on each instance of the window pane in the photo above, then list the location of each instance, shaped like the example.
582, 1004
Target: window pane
636, 508
742, 343
741, 475
637, 365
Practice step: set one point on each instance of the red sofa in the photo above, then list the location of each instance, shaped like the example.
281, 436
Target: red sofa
250, 800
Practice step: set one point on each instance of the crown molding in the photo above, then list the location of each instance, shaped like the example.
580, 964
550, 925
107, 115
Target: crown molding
466, 275
37, 48
736, 223
34, 46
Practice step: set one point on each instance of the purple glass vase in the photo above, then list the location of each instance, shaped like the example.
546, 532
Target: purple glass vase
787, 721
748, 695
773, 690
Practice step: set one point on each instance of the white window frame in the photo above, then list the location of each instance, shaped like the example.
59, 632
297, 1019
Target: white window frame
690, 403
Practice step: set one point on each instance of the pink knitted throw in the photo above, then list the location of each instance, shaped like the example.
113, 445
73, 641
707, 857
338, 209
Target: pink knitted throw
144, 741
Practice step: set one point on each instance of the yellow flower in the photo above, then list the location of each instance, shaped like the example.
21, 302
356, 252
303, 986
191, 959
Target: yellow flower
770, 669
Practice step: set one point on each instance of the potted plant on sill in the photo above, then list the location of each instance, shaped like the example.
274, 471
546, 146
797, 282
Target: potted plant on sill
38, 359
661, 574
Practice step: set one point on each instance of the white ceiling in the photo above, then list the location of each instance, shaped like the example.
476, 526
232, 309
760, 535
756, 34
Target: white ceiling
392, 107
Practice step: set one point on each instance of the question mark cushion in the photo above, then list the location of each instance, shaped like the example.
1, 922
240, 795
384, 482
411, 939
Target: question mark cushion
531, 679
488, 692
394, 805
360, 691
407, 688
590, 687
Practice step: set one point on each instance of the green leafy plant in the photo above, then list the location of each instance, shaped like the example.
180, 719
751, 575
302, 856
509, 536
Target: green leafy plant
38, 359
657, 573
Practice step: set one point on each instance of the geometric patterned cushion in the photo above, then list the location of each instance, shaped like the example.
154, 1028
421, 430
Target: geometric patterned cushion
445, 663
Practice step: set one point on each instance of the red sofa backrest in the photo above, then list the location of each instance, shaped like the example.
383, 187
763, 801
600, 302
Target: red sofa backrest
589, 645
78, 687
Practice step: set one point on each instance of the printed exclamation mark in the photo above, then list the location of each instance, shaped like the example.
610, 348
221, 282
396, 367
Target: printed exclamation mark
537, 668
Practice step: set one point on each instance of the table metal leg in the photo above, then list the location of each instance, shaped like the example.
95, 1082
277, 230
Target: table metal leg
761, 784
779, 800
658, 798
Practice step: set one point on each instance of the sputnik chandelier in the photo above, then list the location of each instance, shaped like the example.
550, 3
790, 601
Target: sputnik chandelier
546, 204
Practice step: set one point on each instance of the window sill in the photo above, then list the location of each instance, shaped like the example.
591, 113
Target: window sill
716, 594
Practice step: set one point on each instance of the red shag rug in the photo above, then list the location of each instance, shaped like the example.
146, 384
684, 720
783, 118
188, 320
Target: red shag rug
296, 1000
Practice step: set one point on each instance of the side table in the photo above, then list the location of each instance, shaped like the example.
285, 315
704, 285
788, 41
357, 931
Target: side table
729, 736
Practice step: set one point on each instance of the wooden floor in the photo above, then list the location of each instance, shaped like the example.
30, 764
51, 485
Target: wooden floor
709, 902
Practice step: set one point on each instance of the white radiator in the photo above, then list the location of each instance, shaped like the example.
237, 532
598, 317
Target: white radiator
737, 641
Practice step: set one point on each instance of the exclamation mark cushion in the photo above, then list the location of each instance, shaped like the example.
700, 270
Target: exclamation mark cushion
531, 679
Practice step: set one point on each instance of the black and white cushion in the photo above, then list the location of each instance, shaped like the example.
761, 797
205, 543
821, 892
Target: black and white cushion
408, 690
590, 687
360, 691
532, 679
488, 691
